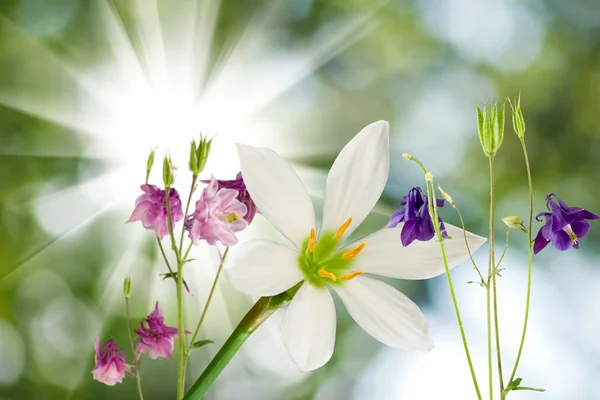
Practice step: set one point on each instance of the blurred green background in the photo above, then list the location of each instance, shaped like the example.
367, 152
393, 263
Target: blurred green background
87, 88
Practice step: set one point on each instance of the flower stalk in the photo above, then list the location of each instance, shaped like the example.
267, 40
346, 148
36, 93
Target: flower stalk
136, 362
262, 310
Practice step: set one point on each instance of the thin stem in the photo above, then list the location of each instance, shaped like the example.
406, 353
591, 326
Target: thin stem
185, 214
462, 223
262, 310
135, 358
162, 251
492, 270
529, 260
180, 324
434, 216
210, 295
505, 248
488, 304
187, 252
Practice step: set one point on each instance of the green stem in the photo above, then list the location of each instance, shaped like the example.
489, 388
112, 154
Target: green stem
529, 260
135, 358
187, 252
489, 337
262, 310
505, 248
492, 271
462, 223
434, 217
162, 251
185, 214
210, 295
180, 324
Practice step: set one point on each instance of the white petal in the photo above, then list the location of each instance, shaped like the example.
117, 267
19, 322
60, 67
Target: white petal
357, 178
277, 192
384, 254
308, 327
386, 314
263, 268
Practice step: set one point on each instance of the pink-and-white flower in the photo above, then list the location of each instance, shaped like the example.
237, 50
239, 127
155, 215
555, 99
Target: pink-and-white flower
218, 216
110, 364
151, 209
154, 336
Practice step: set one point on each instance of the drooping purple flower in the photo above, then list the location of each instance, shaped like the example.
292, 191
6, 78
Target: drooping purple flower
217, 217
243, 195
414, 213
110, 365
563, 226
151, 209
156, 338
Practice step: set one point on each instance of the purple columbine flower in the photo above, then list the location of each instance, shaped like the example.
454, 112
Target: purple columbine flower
243, 195
564, 225
151, 209
414, 212
217, 217
157, 338
110, 364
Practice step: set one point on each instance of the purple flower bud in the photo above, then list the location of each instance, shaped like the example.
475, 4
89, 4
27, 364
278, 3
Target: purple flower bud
243, 195
218, 216
110, 364
414, 212
157, 338
563, 226
151, 209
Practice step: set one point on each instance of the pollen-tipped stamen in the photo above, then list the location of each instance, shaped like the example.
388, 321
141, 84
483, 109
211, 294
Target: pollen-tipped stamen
571, 234
327, 274
355, 251
352, 275
312, 240
345, 225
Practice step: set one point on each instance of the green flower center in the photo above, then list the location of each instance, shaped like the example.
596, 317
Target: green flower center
323, 262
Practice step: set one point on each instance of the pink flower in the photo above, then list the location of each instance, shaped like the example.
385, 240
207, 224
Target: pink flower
218, 216
110, 364
151, 209
157, 338
243, 195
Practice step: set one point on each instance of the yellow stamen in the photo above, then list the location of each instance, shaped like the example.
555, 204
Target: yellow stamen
354, 252
312, 240
232, 217
347, 277
345, 225
327, 274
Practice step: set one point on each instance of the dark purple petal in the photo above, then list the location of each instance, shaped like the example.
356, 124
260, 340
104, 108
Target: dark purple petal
395, 219
409, 232
580, 228
585, 214
540, 242
425, 226
561, 240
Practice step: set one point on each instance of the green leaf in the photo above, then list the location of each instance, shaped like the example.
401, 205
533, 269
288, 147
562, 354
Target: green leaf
530, 389
201, 343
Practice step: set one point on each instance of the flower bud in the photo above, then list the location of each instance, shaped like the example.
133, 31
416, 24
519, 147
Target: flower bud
149, 164
490, 124
514, 222
199, 155
127, 287
446, 196
168, 172
517, 117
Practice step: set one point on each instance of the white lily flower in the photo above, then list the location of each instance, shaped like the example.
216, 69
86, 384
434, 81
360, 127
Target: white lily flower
320, 260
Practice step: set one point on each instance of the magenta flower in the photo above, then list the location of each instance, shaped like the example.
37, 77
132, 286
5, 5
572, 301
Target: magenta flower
414, 212
157, 338
218, 216
151, 209
110, 364
243, 195
564, 225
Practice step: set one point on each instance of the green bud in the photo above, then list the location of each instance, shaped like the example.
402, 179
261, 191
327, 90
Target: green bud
446, 196
193, 157
127, 287
149, 164
514, 222
199, 159
517, 117
490, 124
168, 172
